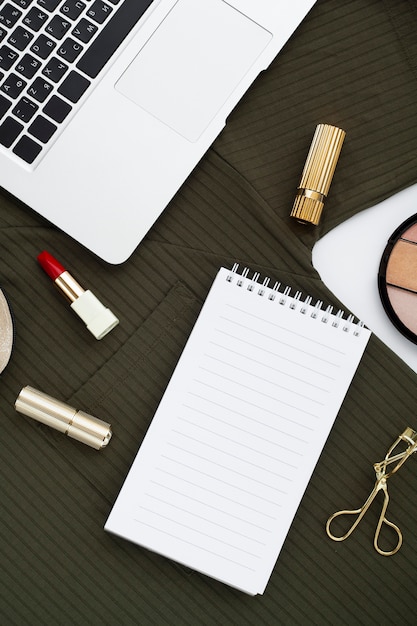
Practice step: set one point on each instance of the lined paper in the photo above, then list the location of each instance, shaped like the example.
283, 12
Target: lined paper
229, 453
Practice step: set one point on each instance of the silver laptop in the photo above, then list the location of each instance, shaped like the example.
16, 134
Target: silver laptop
106, 106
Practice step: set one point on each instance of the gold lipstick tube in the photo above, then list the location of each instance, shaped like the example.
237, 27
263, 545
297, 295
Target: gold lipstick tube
318, 173
64, 418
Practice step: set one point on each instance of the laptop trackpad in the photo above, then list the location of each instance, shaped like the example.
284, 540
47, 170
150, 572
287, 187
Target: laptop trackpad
192, 63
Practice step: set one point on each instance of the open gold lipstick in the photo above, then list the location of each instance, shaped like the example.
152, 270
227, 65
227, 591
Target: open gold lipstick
98, 319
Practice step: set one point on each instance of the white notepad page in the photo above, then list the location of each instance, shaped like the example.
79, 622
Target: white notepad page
232, 446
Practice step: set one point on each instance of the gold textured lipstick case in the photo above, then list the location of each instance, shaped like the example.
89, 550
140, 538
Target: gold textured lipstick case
64, 418
318, 173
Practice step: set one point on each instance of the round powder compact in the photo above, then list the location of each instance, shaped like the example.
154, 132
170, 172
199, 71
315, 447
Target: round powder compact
6, 332
397, 278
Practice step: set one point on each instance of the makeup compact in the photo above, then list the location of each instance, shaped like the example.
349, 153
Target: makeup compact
6, 332
397, 278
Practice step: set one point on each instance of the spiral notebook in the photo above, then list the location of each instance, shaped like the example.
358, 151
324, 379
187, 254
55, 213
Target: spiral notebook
229, 453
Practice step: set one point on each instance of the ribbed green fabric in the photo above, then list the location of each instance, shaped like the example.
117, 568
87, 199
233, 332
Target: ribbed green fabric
351, 64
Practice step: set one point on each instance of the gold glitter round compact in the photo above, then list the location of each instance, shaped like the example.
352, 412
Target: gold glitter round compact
6, 332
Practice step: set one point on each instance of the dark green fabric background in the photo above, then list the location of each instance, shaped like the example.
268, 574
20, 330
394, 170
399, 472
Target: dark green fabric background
351, 64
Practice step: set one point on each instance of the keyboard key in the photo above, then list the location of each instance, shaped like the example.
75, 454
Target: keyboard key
7, 57
49, 5
10, 129
99, 11
40, 89
58, 27
57, 109
74, 86
28, 66
23, 3
20, 38
9, 15
54, 69
5, 105
13, 86
25, 109
3, 33
35, 19
42, 129
69, 50
72, 9
84, 30
27, 149
112, 35
43, 46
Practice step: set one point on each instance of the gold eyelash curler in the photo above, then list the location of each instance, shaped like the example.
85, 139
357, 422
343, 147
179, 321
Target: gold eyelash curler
409, 436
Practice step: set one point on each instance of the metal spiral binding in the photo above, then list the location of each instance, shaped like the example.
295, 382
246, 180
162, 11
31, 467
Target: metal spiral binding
295, 302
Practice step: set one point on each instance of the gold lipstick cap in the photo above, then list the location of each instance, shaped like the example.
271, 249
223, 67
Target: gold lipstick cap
318, 173
64, 418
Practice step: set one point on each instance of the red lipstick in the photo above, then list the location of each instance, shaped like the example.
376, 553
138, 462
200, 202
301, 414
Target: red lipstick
98, 319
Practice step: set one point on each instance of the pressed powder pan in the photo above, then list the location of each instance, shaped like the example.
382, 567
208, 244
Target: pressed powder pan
397, 278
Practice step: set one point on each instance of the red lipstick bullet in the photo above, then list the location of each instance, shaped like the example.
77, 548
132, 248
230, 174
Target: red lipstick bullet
98, 319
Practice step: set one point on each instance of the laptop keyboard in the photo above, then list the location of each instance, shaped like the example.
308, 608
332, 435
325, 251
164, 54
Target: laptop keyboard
50, 53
